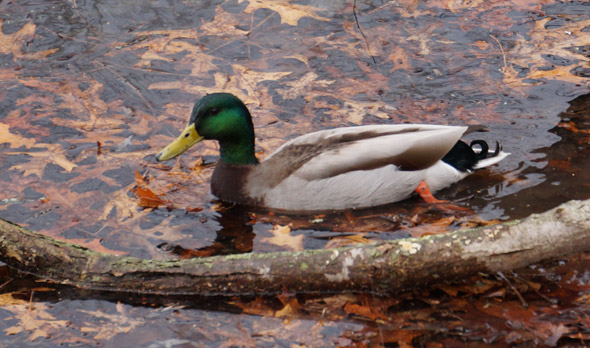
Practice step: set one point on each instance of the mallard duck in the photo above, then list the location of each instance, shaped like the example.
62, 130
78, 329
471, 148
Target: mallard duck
334, 169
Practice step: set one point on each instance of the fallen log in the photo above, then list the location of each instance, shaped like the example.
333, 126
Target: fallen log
382, 267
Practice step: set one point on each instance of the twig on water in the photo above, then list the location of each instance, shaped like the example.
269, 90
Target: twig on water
361, 30
502, 50
514, 289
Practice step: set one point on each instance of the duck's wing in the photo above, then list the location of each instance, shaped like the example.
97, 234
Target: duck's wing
328, 153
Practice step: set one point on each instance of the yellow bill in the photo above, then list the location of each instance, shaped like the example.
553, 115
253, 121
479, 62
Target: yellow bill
187, 138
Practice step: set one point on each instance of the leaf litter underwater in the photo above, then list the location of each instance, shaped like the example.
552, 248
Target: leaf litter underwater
76, 159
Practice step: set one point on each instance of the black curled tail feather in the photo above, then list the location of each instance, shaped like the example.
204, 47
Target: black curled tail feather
464, 158
485, 149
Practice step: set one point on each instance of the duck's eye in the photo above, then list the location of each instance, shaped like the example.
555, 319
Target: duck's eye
186, 135
213, 111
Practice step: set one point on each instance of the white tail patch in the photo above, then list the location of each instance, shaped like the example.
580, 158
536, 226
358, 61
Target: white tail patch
491, 160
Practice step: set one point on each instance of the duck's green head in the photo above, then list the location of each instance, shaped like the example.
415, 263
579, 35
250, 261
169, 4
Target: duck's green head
222, 117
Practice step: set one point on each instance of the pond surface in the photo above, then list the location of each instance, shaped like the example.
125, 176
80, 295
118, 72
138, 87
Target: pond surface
91, 90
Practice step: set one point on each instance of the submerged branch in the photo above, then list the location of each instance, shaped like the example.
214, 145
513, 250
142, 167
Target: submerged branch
380, 267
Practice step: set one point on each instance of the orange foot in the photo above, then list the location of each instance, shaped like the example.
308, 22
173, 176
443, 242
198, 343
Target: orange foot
428, 197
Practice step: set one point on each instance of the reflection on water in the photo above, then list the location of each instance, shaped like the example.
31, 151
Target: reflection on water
566, 167
235, 235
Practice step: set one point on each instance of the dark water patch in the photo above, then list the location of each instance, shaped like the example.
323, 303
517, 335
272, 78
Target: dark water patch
265, 18
83, 231
563, 12
16, 213
581, 71
564, 168
237, 51
127, 133
31, 194
53, 172
75, 150
128, 144
56, 132
64, 113
93, 184
124, 175
583, 50
87, 161
35, 219
286, 64
7, 161
122, 81
152, 220
557, 60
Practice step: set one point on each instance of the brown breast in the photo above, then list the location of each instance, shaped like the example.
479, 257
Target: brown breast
228, 183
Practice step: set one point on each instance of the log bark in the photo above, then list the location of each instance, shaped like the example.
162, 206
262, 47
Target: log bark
383, 267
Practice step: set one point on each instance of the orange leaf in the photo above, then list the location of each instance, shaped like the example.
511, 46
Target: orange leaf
437, 227
139, 179
402, 337
365, 311
148, 199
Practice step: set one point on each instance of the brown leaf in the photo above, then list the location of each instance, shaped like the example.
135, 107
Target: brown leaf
258, 306
34, 319
291, 306
290, 13
437, 227
13, 43
341, 241
402, 337
510, 310
110, 325
366, 311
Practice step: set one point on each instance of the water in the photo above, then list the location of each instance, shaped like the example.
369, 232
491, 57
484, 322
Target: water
91, 90
90, 96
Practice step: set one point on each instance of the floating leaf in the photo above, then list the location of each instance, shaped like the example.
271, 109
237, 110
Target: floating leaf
13, 43
35, 320
290, 13
148, 199
282, 237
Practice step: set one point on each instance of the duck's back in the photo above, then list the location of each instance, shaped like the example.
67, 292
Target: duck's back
353, 167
